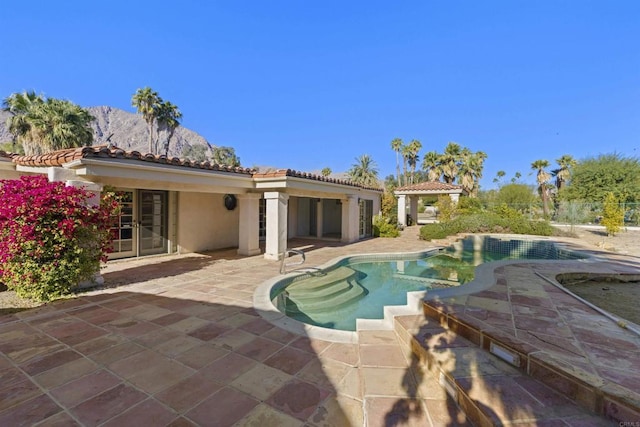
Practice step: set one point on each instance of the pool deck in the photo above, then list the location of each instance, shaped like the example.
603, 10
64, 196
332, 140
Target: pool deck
176, 341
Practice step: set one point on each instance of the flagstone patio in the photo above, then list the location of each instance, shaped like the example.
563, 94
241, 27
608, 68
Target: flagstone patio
176, 341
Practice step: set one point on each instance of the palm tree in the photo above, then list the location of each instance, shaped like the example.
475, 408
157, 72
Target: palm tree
412, 159
19, 105
59, 124
42, 125
397, 145
499, 176
364, 171
431, 165
542, 178
449, 162
147, 102
406, 152
563, 173
470, 170
168, 118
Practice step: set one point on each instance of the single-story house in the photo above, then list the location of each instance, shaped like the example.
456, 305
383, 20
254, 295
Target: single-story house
173, 205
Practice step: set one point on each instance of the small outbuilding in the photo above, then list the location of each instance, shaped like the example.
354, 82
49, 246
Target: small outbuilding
415, 191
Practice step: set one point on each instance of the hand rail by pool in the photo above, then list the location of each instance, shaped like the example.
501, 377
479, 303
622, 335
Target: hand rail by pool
283, 266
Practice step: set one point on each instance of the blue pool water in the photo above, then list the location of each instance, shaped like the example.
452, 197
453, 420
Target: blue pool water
360, 288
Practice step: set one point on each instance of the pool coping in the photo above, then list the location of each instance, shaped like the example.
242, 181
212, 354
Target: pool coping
484, 278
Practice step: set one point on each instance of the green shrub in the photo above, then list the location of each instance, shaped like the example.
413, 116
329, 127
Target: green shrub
488, 222
383, 227
468, 205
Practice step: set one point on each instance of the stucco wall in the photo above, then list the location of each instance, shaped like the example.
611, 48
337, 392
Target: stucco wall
204, 223
331, 217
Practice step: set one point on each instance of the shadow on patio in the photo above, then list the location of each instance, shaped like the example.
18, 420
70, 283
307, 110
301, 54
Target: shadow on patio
129, 358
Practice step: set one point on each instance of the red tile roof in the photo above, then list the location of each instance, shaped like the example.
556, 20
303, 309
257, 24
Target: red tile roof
297, 174
61, 157
430, 186
58, 158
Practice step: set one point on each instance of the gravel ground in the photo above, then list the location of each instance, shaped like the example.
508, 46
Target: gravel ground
626, 242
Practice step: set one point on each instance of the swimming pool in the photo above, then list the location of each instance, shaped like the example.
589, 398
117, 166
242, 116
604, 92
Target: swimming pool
360, 287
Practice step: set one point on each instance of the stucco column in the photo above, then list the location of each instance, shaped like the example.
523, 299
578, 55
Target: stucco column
350, 219
319, 218
402, 209
276, 243
95, 190
454, 198
249, 233
413, 209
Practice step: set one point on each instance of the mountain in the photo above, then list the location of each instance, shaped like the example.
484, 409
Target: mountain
128, 131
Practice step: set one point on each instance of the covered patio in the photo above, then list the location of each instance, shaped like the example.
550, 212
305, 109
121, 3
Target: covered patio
415, 191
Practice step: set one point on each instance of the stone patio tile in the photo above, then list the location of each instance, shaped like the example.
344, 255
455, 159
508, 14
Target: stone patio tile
65, 373
489, 304
17, 392
168, 319
257, 326
107, 404
259, 349
97, 315
223, 408
130, 327
351, 385
377, 337
99, 344
237, 320
289, 360
233, 339
395, 382
61, 419
177, 345
76, 332
156, 337
201, 355
29, 412
389, 356
81, 389
10, 375
279, 335
48, 361
151, 372
188, 324
188, 392
117, 352
324, 373
345, 353
149, 413
266, 416
261, 381
298, 398
227, 368
445, 413
209, 331
540, 312
547, 327
338, 411
389, 411
310, 345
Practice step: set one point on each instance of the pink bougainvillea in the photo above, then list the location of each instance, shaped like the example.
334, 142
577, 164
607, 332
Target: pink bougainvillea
51, 238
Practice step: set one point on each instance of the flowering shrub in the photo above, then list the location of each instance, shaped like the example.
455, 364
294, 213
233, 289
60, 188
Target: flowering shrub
51, 239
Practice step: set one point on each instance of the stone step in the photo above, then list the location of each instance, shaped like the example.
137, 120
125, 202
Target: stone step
349, 295
304, 295
487, 389
320, 280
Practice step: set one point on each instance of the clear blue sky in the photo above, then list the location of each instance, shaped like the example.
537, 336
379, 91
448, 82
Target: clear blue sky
307, 85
